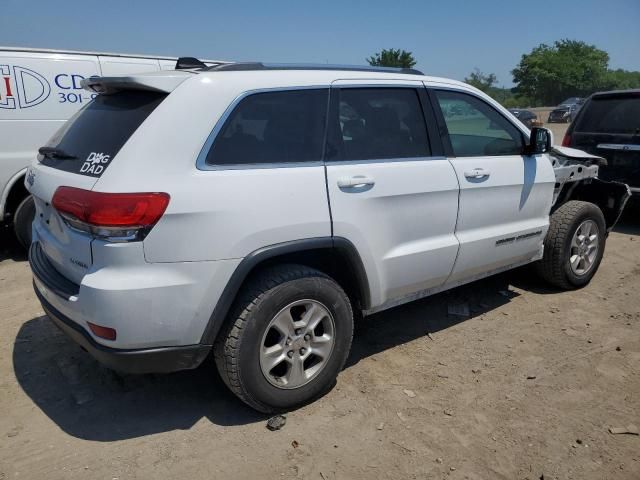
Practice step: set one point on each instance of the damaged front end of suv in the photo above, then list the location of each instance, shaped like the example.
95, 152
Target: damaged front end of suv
577, 179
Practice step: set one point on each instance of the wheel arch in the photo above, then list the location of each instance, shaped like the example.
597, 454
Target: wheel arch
14, 192
610, 196
334, 256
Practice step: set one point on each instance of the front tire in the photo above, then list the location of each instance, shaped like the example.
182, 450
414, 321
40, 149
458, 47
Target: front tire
23, 220
286, 340
574, 245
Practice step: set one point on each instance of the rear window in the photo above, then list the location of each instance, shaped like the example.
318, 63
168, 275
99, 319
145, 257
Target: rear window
273, 127
611, 115
97, 132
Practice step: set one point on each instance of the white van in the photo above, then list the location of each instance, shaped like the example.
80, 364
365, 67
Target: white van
39, 90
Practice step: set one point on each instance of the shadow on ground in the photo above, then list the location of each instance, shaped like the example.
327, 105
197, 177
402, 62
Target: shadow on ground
9, 247
91, 402
629, 223
404, 324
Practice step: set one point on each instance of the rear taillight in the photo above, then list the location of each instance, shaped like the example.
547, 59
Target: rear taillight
566, 141
113, 216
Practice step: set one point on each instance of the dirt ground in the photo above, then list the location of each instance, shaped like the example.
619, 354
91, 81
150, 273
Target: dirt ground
526, 387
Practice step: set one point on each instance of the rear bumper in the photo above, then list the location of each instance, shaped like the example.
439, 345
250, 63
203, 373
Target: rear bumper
150, 305
148, 360
47, 274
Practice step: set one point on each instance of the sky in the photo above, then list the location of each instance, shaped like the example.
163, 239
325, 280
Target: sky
448, 38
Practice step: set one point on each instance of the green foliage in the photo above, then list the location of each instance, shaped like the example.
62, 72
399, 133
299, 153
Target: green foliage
622, 80
392, 58
515, 101
508, 98
480, 80
549, 74
487, 83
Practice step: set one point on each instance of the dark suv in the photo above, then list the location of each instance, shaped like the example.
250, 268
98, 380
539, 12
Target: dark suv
608, 125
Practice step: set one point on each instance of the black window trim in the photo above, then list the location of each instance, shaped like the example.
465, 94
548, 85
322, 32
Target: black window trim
442, 126
438, 143
434, 141
201, 160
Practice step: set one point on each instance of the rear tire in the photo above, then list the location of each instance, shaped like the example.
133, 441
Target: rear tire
23, 220
287, 338
574, 245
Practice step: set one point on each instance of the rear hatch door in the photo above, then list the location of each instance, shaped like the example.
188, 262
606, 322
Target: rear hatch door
76, 156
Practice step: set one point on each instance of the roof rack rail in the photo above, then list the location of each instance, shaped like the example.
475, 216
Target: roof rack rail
185, 63
250, 66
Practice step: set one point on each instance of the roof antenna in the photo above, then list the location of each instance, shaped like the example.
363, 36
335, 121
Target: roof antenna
185, 63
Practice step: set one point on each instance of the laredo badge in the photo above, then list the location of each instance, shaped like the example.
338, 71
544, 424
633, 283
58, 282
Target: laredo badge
95, 163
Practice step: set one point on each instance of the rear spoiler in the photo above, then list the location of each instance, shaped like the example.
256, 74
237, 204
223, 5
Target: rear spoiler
164, 82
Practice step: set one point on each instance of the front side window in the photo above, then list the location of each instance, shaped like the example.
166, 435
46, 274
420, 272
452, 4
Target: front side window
378, 123
475, 128
273, 127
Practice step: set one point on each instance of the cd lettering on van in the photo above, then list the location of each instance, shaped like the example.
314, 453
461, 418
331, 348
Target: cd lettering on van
7, 100
95, 163
31, 88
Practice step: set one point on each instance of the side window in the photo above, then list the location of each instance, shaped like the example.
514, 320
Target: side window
475, 128
273, 127
377, 123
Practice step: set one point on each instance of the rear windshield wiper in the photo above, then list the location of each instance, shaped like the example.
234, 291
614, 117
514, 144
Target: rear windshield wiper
53, 152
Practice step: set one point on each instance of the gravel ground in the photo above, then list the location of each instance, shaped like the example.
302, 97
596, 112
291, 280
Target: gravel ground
526, 387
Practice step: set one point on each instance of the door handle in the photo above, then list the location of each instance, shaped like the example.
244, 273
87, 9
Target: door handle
477, 173
357, 181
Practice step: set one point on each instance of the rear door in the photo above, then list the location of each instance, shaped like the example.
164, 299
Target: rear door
260, 182
609, 126
79, 154
392, 193
505, 197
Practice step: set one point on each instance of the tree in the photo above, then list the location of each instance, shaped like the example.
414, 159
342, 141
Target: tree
549, 74
487, 83
481, 80
622, 80
392, 58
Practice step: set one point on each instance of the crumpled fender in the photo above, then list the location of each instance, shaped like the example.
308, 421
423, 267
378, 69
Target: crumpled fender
577, 179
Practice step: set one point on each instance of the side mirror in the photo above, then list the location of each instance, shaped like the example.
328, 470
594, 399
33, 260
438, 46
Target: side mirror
540, 141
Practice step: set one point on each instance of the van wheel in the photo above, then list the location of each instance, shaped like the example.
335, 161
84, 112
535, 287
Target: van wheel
574, 245
23, 219
287, 339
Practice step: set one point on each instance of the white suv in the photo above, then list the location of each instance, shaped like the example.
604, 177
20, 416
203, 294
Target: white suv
257, 209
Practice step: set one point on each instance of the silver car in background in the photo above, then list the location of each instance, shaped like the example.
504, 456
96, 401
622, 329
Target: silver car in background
566, 112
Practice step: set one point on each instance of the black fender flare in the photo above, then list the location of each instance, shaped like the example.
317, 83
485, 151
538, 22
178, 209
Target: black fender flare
254, 259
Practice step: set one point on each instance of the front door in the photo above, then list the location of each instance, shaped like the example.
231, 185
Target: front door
505, 197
